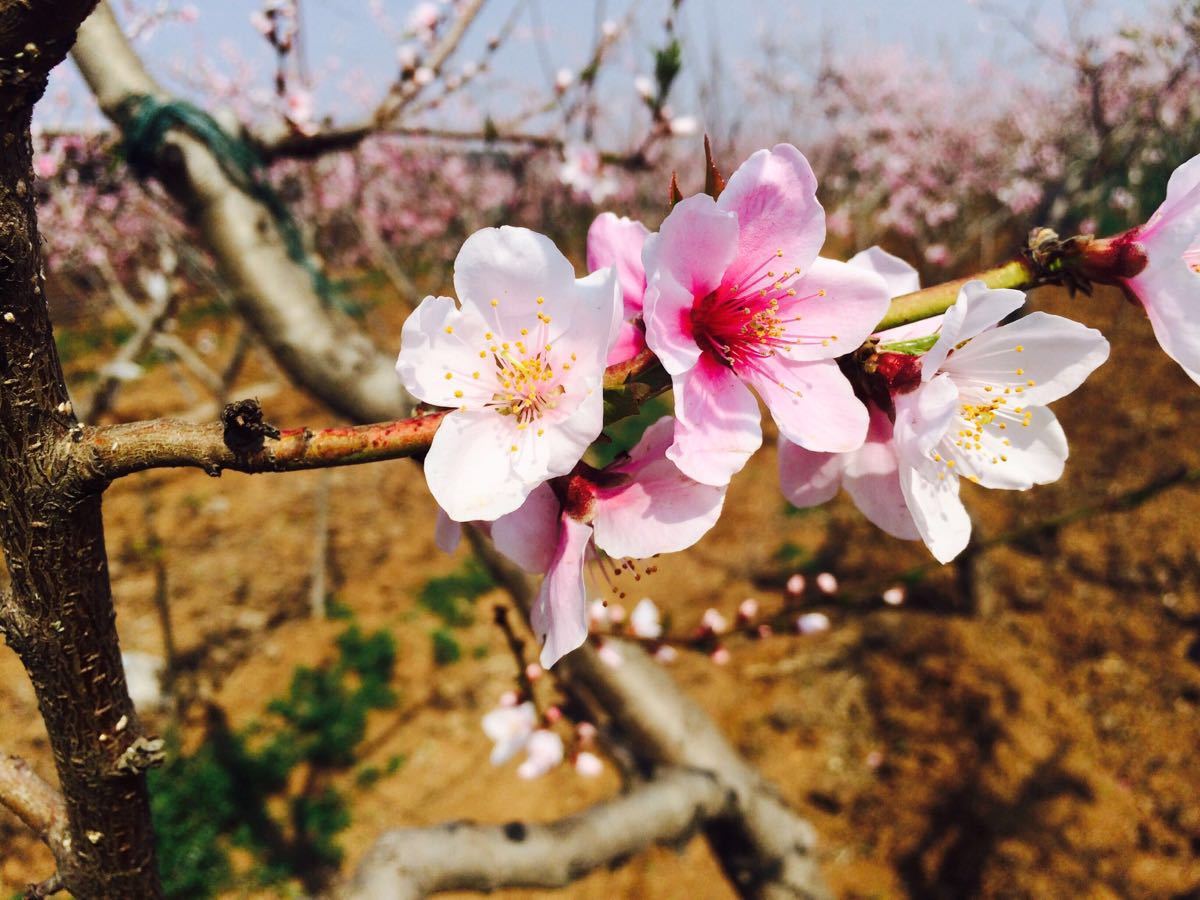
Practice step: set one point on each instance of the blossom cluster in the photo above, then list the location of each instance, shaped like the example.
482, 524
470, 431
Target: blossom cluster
733, 301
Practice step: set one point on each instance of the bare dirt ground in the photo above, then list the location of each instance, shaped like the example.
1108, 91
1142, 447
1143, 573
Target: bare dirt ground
1023, 726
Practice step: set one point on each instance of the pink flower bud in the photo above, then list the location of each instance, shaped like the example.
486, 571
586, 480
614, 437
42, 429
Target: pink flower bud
588, 765
795, 585
720, 656
827, 583
893, 596
748, 609
533, 671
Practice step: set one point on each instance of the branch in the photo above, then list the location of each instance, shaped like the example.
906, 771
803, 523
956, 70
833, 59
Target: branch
108, 452
35, 803
765, 848
410, 863
326, 354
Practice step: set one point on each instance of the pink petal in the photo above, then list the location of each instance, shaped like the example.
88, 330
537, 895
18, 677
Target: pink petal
447, 533
901, 278
695, 244
839, 307
617, 242
1168, 290
659, 510
630, 341
812, 403
808, 478
872, 480
529, 535
717, 425
669, 323
1181, 188
978, 307
512, 265
774, 194
559, 615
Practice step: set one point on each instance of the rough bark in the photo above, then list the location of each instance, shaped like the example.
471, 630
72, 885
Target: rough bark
59, 616
323, 352
409, 863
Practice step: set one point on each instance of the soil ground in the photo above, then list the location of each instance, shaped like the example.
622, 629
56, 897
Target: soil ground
1024, 725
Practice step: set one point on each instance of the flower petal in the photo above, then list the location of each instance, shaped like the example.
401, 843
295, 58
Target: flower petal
808, 478
617, 242
514, 266
901, 278
669, 323
1031, 449
529, 535
559, 614
938, 513
695, 244
812, 403
1184, 180
779, 221
1039, 357
469, 467
659, 509
923, 417
977, 307
839, 307
718, 425
447, 533
872, 479
1168, 291
437, 340
630, 341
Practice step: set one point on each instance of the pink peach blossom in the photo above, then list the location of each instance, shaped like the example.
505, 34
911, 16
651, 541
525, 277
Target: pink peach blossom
737, 297
1169, 286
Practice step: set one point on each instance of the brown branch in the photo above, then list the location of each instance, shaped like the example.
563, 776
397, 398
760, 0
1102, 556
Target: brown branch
108, 452
410, 863
34, 802
766, 849
327, 354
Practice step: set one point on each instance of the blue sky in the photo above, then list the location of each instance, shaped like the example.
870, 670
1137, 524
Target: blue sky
558, 33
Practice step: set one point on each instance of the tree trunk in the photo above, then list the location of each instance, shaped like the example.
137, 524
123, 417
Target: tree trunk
59, 617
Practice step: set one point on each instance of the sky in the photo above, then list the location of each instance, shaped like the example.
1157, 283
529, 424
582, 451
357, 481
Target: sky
354, 58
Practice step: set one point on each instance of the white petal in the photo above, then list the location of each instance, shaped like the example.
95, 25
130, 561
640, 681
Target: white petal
437, 340
977, 307
901, 278
922, 418
938, 513
1044, 356
514, 266
469, 467
1035, 453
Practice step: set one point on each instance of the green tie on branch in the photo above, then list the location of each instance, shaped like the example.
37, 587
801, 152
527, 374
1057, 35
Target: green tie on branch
147, 122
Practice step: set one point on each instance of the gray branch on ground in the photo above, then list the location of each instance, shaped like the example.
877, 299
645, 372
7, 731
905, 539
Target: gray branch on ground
767, 850
324, 352
409, 863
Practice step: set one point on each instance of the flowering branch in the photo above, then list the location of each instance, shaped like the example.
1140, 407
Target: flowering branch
242, 442
411, 863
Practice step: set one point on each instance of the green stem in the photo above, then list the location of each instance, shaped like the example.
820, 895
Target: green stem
933, 301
